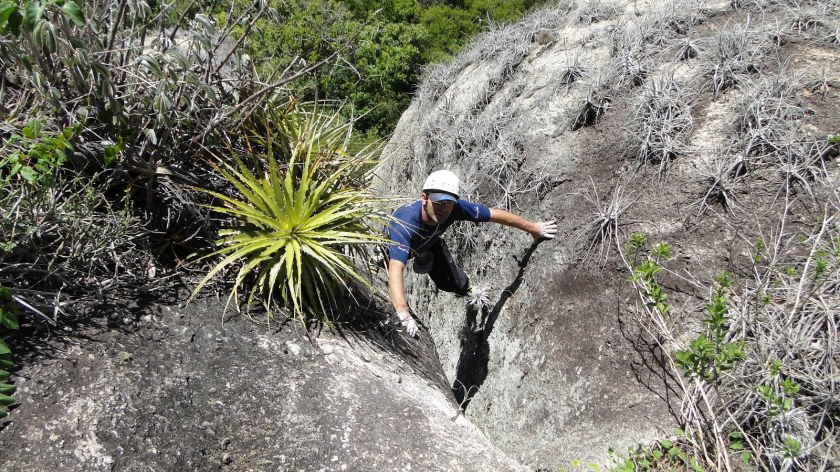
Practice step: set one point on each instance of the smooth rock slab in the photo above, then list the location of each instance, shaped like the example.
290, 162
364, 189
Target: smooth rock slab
175, 390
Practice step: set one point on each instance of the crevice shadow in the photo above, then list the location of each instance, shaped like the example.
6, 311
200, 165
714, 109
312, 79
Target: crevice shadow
651, 367
475, 348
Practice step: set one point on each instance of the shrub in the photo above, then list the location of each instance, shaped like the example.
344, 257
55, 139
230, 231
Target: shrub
61, 241
754, 379
301, 216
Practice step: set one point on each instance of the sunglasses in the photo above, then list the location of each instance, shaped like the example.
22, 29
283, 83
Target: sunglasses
441, 198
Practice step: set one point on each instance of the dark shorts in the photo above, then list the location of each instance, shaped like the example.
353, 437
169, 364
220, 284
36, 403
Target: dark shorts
445, 273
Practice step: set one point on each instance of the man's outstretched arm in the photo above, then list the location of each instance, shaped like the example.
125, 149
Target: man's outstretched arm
537, 230
397, 291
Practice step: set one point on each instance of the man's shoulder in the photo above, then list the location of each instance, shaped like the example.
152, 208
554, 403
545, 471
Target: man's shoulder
408, 212
472, 211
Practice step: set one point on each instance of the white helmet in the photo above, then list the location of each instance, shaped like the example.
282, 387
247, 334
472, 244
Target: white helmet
442, 181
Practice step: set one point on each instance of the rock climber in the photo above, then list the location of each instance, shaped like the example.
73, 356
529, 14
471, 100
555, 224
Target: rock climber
415, 233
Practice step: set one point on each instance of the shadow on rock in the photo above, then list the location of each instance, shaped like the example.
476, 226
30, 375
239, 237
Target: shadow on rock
475, 348
650, 365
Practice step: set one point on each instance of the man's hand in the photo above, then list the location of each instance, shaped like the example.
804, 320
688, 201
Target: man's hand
541, 230
408, 322
544, 230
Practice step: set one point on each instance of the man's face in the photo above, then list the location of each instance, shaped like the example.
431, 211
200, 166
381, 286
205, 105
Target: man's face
436, 212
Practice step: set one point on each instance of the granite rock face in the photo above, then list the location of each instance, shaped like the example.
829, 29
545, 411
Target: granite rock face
611, 118
173, 389
603, 115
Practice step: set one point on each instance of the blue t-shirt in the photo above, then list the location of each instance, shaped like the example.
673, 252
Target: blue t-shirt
409, 232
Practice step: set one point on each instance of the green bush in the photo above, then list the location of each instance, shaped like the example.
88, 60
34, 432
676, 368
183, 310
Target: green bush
392, 41
301, 215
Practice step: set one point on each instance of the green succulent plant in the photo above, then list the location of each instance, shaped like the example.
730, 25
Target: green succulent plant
298, 222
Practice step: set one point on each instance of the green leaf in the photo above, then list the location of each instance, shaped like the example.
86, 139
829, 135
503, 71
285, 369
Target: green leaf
153, 65
32, 130
49, 34
6, 400
745, 457
5, 363
6, 389
657, 453
72, 10
205, 21
33, 13
695, 465
576, 463
110, 153
4, 349
9, 320
4, 375
594, 466
28, 173
666, 444
736, 445
15, 22
6, 9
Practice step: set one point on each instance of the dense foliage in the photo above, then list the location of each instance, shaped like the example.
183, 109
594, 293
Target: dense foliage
391, 41
112, 111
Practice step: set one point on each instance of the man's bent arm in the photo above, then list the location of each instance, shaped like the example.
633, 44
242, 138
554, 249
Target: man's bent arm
543, 229
395, 285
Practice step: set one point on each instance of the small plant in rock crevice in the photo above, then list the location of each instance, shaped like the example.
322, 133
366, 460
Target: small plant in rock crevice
663, 455
593, 11
592, 109
572, 72
720, 177
645, 271
544, 38
712, 353
771, 135
685, 48
578, 465
603, 230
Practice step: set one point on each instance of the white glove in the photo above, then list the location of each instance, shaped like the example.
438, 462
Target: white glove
545, 230
408, 323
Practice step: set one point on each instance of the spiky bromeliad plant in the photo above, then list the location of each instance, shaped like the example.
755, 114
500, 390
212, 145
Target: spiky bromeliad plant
300, 218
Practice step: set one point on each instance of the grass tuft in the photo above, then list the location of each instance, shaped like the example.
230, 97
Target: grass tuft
602, 231
594, 11
661, 121
737, 50
720, 176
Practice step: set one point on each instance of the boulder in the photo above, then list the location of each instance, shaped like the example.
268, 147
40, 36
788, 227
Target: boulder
612, 118
172, 387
